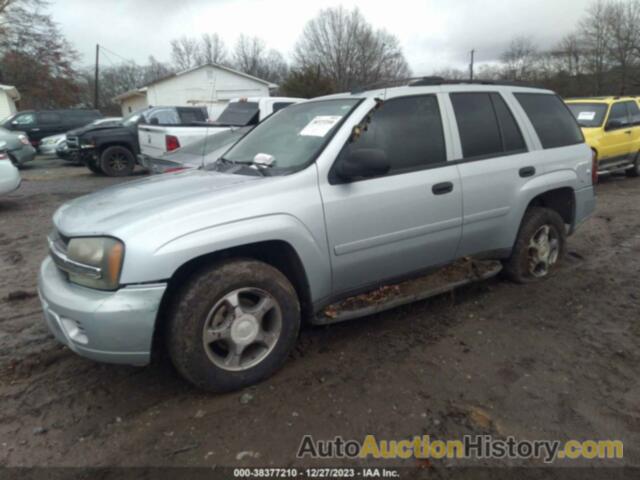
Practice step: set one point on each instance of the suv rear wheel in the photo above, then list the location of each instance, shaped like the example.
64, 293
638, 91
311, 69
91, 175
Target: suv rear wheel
233, 325
539, 246
117, 161
635, 170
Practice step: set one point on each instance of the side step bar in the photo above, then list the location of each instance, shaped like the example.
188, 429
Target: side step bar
614, 167
384, 298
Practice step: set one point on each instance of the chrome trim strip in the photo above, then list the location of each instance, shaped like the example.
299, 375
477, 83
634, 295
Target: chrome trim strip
71, 266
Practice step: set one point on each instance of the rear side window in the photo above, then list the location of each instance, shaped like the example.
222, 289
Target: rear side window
634, 113
48, 118
486, 125
512, 141
408, 130
551, 119
619, 113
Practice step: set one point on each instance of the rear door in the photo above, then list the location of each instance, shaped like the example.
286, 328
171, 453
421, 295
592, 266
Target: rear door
494, 166
634, 115
386, 227
617, 142
49, 123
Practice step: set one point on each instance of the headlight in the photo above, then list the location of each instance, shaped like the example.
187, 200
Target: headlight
105, 254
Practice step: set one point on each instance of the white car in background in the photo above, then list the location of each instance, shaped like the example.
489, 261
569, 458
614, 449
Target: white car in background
54, 144
9, 174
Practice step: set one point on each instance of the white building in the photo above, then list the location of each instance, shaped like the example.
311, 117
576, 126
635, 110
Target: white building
210, 85
8, 97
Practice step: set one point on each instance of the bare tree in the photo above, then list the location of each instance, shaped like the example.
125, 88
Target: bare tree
594, 35
519, 59
184, 53
252, 57
248, 54
211, 50
622, 20
35, 56
348, 50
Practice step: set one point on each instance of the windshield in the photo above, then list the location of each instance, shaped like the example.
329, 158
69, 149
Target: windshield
588, 114
7, 119
239, 114
293, 136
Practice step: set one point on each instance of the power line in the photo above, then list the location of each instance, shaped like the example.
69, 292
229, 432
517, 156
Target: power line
127, 60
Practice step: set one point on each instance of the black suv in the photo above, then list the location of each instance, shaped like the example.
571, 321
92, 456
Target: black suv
112, 148
40, 124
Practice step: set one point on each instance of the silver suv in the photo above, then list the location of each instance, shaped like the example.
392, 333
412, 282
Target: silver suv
325, 199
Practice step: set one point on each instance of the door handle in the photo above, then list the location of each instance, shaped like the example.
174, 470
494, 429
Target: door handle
628, 132
527, 172
442, 188
35, 130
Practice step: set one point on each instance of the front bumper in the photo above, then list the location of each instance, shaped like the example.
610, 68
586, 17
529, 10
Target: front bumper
47, 148
113, 327
23, 154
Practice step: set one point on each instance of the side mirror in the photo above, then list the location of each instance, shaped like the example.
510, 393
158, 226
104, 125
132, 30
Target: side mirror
363, 163
615, 123
154, 121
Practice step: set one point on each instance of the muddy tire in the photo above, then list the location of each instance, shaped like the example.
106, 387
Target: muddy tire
92, 165
233, 324
117, 161
539, 246
635, 170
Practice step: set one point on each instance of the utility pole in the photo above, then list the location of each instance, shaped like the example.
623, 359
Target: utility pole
96, 91
471, 66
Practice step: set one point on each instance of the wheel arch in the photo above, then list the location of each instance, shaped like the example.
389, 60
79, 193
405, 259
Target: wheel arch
279, 254
561, 199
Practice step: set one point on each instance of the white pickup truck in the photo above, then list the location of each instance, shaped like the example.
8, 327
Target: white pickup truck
157, 140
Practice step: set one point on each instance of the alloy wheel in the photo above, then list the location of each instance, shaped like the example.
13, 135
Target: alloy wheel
544, 250
242, 328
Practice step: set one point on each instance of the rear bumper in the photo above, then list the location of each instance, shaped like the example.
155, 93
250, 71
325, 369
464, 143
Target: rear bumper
113, 327
585, 205
24, 154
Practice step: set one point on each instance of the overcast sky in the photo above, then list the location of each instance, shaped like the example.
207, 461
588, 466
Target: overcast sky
434, 34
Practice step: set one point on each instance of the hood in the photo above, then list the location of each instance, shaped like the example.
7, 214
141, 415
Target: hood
93, 128
117, 209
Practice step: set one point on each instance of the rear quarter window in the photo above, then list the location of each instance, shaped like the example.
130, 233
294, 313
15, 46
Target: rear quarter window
553, 122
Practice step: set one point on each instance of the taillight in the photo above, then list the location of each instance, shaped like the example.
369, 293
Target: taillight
594, 167
174, 169
4, 156
23, 139
172, 142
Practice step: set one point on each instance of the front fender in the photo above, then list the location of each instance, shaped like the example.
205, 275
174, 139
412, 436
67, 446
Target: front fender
162, 263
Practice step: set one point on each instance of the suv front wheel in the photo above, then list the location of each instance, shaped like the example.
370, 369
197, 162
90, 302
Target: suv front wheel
233, 325
539, 246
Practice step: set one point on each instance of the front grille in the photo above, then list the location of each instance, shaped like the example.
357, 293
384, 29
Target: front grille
73, 142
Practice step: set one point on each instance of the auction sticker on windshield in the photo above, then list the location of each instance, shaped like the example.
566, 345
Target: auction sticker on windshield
320, 125
588, 116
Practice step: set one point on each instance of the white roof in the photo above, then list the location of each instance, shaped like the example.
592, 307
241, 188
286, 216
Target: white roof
11, 91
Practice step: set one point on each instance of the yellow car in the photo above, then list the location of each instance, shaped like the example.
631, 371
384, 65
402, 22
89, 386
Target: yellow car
611, 127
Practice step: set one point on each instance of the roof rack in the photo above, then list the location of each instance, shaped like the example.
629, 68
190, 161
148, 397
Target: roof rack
435, 80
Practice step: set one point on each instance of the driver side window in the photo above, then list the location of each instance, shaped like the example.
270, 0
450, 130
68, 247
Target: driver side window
408, 130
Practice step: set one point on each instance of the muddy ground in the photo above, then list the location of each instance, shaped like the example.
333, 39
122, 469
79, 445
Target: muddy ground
558, 359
